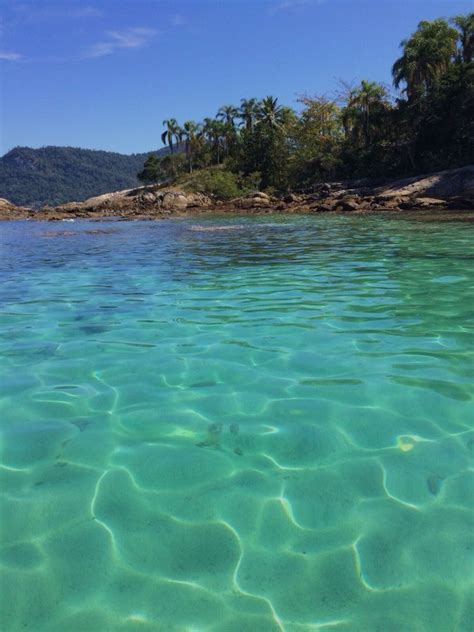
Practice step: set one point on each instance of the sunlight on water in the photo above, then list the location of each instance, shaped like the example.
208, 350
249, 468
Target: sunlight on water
262, 427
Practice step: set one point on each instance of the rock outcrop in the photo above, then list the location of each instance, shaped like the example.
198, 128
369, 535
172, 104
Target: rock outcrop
443, 185
256, 200
133, 203
11, 211
452, 189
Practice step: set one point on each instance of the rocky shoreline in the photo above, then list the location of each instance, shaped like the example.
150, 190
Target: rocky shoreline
443, 191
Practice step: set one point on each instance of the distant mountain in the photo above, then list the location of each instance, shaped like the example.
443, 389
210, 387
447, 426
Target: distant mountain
55, 175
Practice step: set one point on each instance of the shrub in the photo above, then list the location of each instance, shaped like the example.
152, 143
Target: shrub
218, 182
251, 182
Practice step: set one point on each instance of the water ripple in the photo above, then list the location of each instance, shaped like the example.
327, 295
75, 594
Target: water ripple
237, 425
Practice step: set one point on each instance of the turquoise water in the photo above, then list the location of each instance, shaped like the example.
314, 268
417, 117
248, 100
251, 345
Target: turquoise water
253, 424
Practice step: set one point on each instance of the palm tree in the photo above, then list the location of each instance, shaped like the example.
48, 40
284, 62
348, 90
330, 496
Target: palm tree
172, 132
214, 132
426, 56
227, 114
364, 101
248, 113
270, 113
190, 132
465, 25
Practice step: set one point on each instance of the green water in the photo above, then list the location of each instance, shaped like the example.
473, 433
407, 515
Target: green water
237, 425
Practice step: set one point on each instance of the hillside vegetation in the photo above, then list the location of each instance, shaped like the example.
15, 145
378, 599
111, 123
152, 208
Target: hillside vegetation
55, 175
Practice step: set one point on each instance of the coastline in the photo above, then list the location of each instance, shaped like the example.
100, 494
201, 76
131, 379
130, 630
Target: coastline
446, 192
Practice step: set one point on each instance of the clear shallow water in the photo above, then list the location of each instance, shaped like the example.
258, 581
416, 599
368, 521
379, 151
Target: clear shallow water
263, 427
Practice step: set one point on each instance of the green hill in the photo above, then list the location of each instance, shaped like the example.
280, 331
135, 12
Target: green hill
55, 175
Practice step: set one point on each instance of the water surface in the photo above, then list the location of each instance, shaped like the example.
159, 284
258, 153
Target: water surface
247, 424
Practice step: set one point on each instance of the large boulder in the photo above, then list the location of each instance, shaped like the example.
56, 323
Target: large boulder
349, 203
255, 200
173, 201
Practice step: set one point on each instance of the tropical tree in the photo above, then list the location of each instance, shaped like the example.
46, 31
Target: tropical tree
426, 56
190, 132
365, 103
215, 133
270, 114
267, 148
248, 113
465, 25
227, 114
172, 133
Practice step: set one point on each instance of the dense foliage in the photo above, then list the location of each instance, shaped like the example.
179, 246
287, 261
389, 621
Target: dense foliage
362, 132
53, 175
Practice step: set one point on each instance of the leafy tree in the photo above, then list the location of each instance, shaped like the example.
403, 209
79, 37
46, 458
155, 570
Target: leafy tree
173, 165
317, 136
151, 171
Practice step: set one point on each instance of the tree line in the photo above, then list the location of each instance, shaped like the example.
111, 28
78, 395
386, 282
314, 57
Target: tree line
363, 131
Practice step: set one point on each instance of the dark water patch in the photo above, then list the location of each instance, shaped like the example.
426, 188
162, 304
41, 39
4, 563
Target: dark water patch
93, 329
330, 382
447, 389
434, 482
81, 424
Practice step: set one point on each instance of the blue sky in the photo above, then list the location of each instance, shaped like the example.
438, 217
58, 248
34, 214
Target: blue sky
104, 74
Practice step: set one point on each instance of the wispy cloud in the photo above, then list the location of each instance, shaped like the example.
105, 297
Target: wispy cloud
9, 56
117, 40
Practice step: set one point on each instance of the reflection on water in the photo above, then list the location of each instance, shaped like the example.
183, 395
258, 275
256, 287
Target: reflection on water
237, 425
